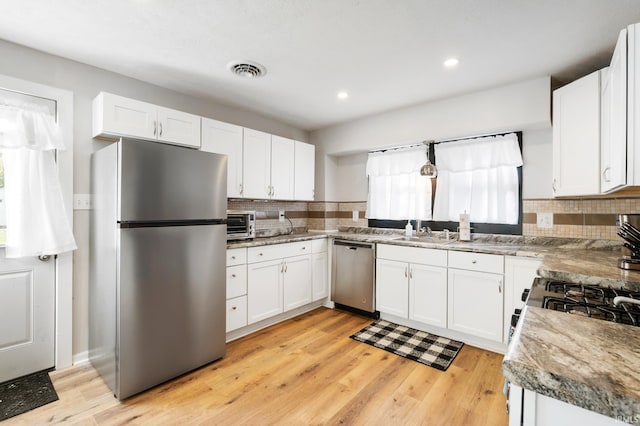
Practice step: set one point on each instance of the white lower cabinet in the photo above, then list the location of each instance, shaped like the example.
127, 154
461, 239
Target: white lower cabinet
428, 295
475, 303
412, 283
392, 287
476, 290
264, 289
296, 281
528, 408
278, 279
319, 269
236, 288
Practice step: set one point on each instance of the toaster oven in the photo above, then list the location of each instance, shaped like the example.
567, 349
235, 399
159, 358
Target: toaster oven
241, 224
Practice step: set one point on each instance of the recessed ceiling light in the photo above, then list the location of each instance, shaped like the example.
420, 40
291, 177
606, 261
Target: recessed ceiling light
343, 95
247, 69
451, 62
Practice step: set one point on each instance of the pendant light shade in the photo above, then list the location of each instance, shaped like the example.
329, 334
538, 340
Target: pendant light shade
428, 170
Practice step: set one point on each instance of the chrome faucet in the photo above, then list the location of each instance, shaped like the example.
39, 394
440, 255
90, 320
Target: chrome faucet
421, 230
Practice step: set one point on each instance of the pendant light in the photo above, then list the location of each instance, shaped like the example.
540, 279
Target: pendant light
429, 170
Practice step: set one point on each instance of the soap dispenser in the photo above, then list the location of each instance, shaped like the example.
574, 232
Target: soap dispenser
408, 229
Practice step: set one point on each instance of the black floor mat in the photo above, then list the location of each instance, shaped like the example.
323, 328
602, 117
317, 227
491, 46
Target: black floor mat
25, 393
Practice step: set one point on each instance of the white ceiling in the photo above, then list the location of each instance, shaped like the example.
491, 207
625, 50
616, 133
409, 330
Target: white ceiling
385, 53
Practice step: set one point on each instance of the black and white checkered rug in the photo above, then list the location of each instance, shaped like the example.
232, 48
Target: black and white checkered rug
426, 348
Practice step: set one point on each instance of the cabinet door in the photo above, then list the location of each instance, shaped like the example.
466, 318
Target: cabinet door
264, 290
319, 275
119, 116
297, 281
256, 168
392, 287
178, 127
475, 303
225, 138
304, 171
236, 281
576, 137
428, 294
614, 119
519, 273
282, 168
236, 313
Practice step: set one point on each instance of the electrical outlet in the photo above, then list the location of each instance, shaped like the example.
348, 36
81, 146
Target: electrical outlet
82, 201
544, 220
281, 215
355, 215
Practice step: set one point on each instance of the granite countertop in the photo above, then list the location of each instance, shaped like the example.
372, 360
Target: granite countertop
590, 363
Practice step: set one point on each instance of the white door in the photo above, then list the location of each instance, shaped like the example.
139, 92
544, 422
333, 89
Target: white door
27, 297
27, 294
297, 281
256, 169
392, 287
225, 138
428, 294
264, 290
282, 168
304, 171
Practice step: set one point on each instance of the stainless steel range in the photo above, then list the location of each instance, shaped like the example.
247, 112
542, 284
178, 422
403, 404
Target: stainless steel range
617, 305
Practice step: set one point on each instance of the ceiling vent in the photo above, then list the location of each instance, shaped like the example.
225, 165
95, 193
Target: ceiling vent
247, 69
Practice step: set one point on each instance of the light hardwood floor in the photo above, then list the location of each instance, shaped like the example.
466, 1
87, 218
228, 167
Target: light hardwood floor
302, 371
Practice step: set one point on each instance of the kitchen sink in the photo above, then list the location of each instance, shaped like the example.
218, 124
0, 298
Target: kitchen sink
426, 239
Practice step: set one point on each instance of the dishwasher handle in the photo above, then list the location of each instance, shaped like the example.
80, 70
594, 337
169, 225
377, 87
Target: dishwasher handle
352, 245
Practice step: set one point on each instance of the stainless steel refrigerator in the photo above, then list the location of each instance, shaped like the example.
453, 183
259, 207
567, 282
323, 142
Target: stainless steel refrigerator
157, 279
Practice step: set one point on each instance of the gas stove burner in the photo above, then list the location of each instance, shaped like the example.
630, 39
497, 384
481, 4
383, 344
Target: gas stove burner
588, 300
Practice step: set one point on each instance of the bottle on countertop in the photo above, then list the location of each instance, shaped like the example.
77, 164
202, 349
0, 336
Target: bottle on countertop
408, 229
465, 227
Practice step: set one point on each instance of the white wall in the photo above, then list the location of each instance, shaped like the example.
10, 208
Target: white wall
519, 106
85, 82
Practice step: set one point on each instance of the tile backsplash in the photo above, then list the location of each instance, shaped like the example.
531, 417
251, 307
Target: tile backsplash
585, 218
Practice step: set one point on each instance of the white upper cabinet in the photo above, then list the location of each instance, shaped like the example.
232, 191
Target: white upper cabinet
305, 160
576, 137
117, 116
268, 166
282, 168
225, 138
256, 174
613, 173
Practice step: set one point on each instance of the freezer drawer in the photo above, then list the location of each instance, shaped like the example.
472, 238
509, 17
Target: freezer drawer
352, 277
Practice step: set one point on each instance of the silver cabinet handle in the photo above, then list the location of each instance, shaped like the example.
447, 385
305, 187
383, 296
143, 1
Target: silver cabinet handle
406, 268
155, 128
304, 248
499, 286
160, 129
474, 261
233, 308
241, 189
233, 275
604, 174
410, 273
233, 257
44, 257
553, 185
259, 254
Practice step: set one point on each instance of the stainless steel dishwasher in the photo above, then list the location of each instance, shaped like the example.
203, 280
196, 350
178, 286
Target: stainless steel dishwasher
353, 277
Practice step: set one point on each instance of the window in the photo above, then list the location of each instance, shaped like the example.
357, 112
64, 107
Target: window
479, 176
463, 194
396, 189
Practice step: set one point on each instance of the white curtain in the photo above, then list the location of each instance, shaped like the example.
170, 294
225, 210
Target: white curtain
479, 176
396, 189
37, 222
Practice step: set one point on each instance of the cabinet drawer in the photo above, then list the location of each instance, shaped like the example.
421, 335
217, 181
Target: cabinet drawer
319, 246
277, 251
236, 256
236, 313
423, 256
236, 281
481, 262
